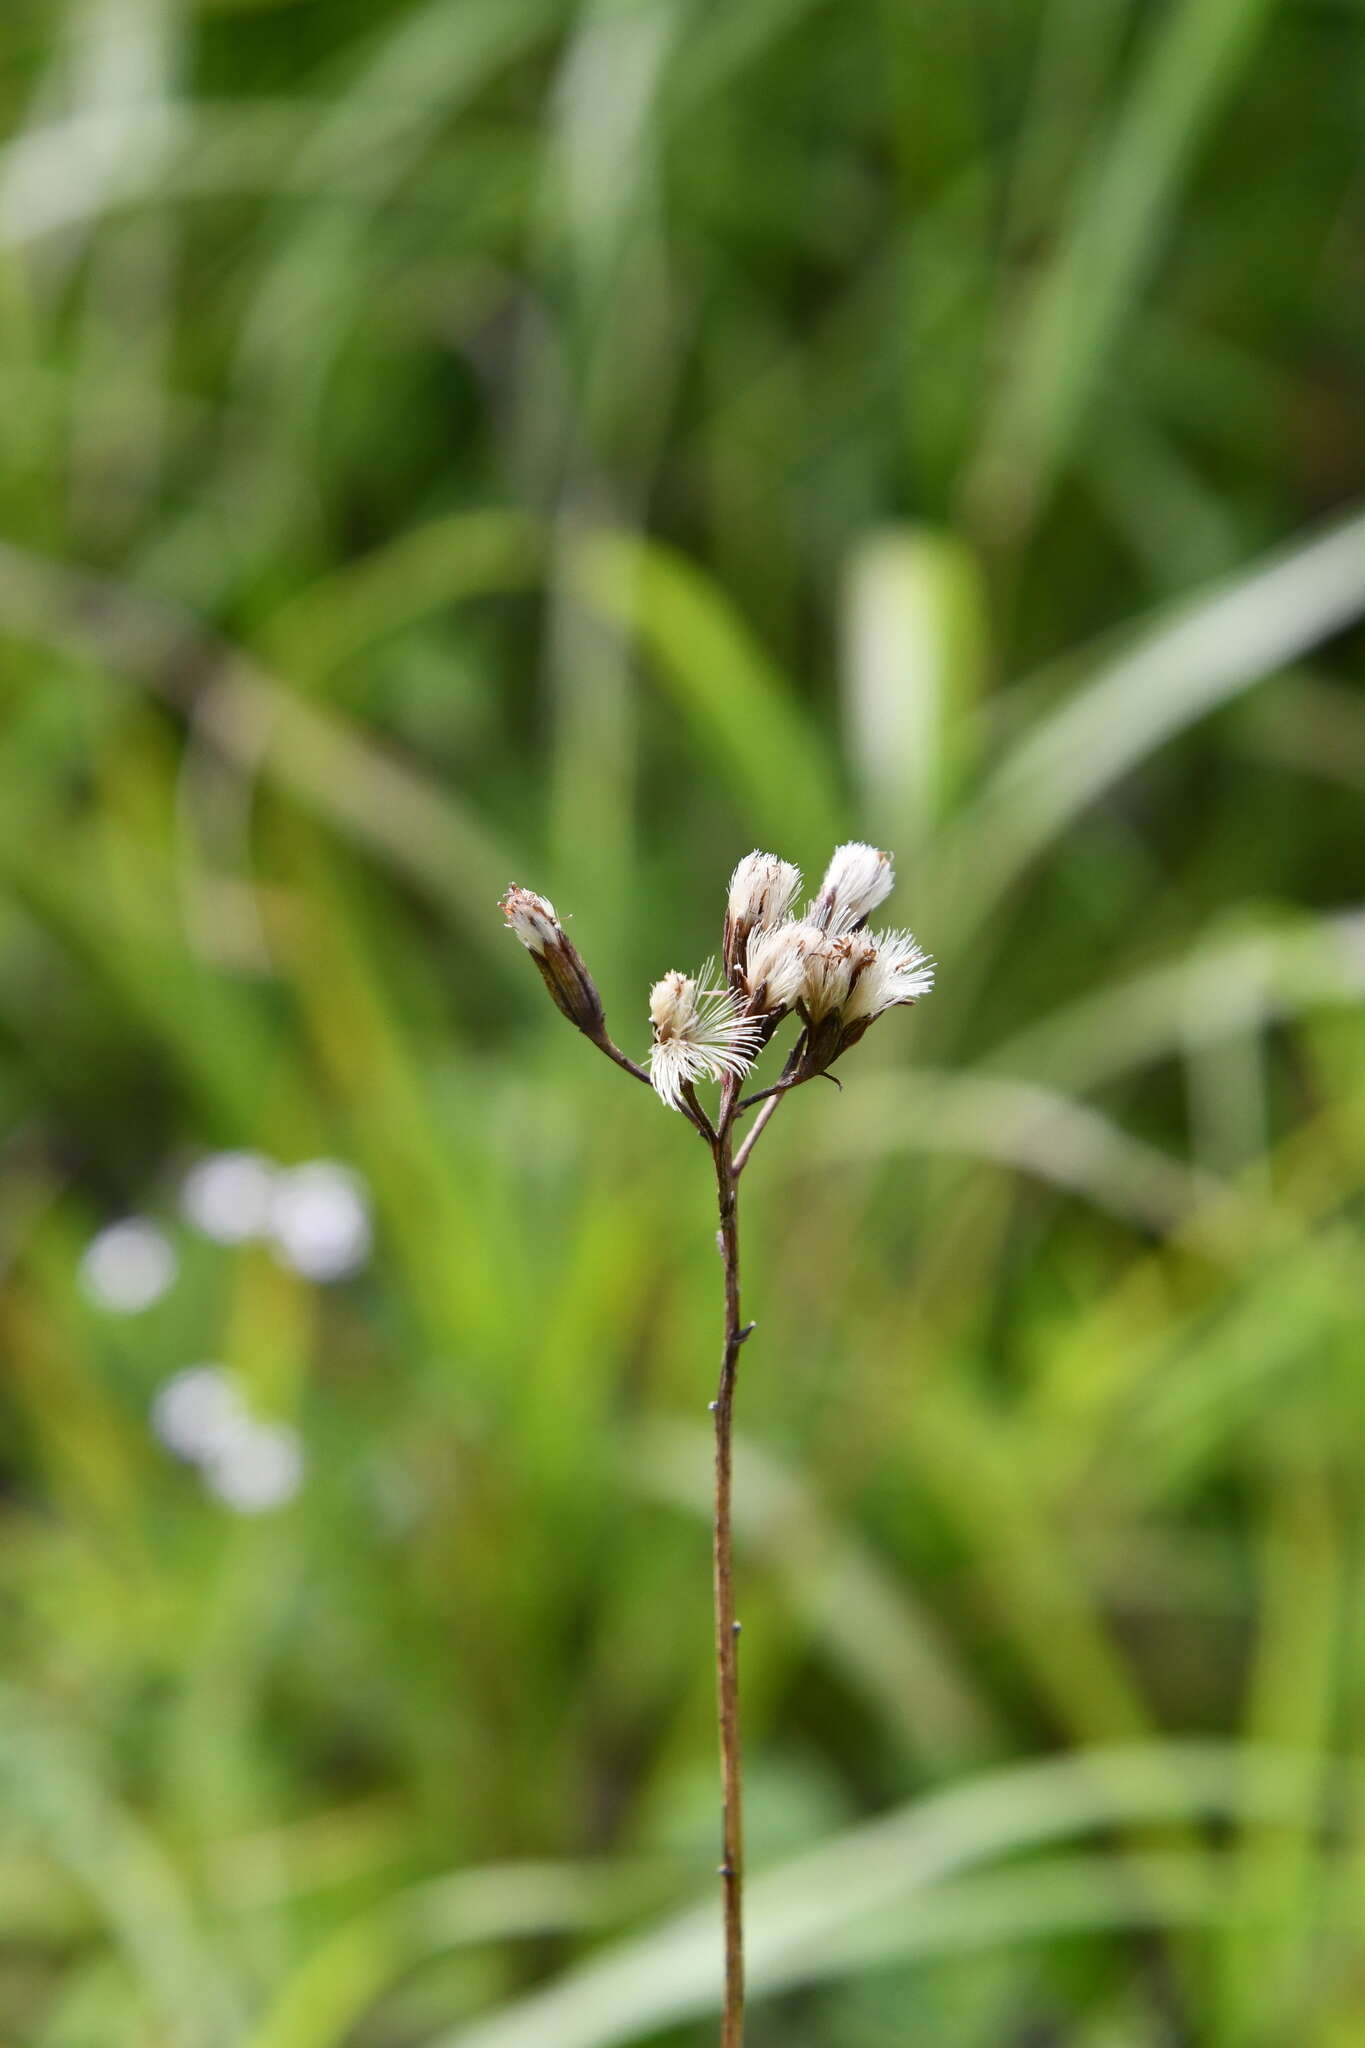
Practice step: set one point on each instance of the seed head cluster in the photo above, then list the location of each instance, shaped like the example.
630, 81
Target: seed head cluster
824, 968
821, 964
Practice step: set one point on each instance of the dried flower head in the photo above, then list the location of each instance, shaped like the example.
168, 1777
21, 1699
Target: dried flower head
857, 879
833, 969
573, 989
700, 1033
901, 972
774, 970
850, 980
762, 889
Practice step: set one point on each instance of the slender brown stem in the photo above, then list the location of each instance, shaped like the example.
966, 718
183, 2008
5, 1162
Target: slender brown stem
614, 1052
691, 1108
763, 1095
790, 1077
764, 1116
727, 1628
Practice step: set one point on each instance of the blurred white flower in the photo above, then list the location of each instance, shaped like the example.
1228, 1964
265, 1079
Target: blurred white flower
229, 1195
320, 1220
198, 1410
201, 1415
128, 1266
259, 1466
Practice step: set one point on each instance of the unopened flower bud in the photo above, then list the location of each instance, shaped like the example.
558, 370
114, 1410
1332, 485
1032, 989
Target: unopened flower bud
572, 988
532, 918
857, 879
761, 891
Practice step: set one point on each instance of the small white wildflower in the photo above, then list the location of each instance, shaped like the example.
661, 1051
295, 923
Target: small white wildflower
128, 1265
775, 966
196, 1411
228, 1196
901, 972
699, 1034
532, 918
320, 1220
259, 1467
762, 888
857, 879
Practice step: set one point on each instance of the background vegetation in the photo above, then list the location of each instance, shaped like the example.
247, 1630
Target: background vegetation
455, 441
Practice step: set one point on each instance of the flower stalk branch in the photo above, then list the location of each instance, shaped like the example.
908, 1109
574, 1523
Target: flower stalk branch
836, 978
727, 1626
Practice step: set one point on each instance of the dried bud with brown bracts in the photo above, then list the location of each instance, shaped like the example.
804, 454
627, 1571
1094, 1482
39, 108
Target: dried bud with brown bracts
762, 888
572, 988
849, 982
834, 968
857, 879
533, 918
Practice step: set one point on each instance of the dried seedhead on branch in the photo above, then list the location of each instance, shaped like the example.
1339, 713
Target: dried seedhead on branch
821, 965
834, 977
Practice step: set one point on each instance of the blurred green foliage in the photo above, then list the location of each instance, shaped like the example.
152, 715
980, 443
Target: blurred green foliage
456, 441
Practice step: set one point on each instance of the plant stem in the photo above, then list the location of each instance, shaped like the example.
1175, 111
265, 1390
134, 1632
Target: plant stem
765, 1115
727, 1628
